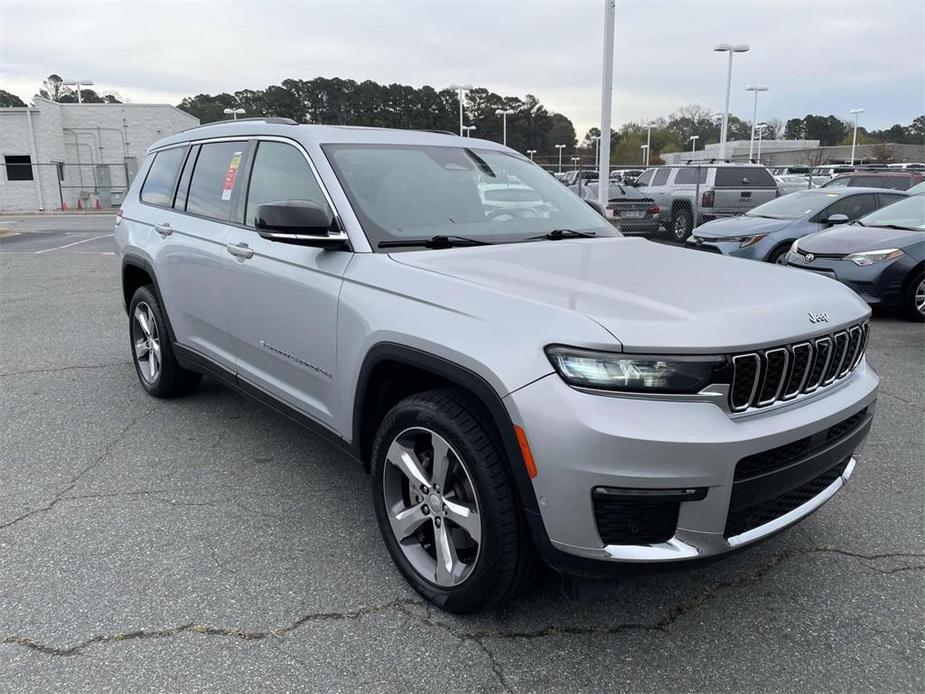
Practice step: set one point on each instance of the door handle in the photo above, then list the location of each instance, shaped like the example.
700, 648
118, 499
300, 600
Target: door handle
163, 229
240, 250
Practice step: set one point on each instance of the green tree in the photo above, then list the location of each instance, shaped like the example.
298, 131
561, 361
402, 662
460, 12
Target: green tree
7, 99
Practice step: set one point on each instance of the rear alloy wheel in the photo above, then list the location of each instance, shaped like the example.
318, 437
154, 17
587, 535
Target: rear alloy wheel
155, 363
915, 299
444, 504
682, 224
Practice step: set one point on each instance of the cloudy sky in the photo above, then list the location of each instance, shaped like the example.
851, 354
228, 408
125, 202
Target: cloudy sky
817, 56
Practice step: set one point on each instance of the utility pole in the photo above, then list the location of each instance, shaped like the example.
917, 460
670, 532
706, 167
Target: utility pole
603, 165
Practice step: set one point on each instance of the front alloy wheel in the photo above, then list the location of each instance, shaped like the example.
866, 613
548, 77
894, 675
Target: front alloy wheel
432, 505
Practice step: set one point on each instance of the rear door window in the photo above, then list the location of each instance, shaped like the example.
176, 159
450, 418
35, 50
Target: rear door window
158, 185
661, 177
888, 198
213, 179
646, 177
743, 177
691, 176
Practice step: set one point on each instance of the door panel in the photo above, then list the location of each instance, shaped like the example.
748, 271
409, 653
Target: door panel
282, 298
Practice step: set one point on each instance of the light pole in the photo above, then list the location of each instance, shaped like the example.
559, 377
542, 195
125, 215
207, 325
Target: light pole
234, 112
751, 88
645, 154
78, 84
560, 148
693, 139
468, 129
730, 49
603, 163
530, 153
460, 88
648, 140
504, 113
761, 127
575, 161
597, 149
854, 140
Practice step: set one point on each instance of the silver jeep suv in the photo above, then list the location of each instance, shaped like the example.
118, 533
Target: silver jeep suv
519, 380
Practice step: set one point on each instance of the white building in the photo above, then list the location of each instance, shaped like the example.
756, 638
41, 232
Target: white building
737, 150
65, 156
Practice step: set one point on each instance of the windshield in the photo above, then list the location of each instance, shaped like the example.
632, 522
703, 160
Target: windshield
794, 206
403, 192
908, 213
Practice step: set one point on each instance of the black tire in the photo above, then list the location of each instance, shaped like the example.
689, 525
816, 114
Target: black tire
171, 380
505, 558
682, 223
778, 255
910, 310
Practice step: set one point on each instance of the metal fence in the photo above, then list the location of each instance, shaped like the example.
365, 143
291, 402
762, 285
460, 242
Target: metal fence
68, 186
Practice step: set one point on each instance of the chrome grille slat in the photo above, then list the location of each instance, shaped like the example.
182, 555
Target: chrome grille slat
782, 373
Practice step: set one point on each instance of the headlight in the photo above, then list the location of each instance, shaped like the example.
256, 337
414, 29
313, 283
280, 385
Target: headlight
871, 257
746, 241
634, 373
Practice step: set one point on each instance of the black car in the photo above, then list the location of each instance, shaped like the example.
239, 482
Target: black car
883, 261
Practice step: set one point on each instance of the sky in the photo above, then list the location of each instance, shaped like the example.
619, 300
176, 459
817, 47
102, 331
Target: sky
816, 56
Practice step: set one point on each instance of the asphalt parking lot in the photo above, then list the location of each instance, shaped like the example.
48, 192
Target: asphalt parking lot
208, 544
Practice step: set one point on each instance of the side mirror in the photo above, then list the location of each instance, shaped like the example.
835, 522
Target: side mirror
298, 222
837, 219
594, 205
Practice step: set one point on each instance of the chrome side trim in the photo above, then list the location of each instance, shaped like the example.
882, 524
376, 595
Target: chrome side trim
795, 515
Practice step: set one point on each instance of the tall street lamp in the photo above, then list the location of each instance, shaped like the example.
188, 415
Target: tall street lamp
78, 84
468, 129
597, 149
461, 89
752, 88
730, 49
854, 140
645, 154
761, 127
530, 153
560, 148
693, 139
575, 161
504, 113
649, 127
234, 112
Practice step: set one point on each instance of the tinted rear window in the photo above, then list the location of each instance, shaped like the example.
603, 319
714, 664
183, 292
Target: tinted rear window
690, 176
158, 186
743, 177
213, 179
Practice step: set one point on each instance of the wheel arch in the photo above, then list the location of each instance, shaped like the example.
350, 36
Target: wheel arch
376, 392
138, 272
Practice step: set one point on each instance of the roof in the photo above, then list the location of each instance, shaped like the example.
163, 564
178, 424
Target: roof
314, 135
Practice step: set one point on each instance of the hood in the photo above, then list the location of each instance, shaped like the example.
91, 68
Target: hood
741, 226
853, 238
651, 296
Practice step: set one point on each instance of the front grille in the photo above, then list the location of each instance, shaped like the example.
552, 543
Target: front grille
627, 521
745, 519
764, 377
783, 456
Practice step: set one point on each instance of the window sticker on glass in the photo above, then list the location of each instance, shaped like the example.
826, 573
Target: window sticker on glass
230, 176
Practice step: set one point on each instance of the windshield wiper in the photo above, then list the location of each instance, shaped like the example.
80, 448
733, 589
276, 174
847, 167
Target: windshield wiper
557, 234
438, 241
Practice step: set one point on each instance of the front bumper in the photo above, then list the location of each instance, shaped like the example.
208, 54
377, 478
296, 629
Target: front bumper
758, 251
582, 441
880, 284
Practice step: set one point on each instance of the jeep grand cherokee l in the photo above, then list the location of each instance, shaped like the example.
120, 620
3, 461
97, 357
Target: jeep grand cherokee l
517, 384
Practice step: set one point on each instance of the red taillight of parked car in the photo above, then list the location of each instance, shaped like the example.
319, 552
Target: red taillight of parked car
654, 210
706, 200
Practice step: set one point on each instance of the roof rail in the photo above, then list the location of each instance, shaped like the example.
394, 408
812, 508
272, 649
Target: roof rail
277, 120
440, 132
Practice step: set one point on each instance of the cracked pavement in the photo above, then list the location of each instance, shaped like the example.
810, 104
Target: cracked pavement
207, 544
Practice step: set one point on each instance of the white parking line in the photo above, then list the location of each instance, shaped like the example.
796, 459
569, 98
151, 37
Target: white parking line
68, 245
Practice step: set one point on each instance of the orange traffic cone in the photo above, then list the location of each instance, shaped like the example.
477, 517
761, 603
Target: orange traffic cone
79, 205
97, 206
63, 205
